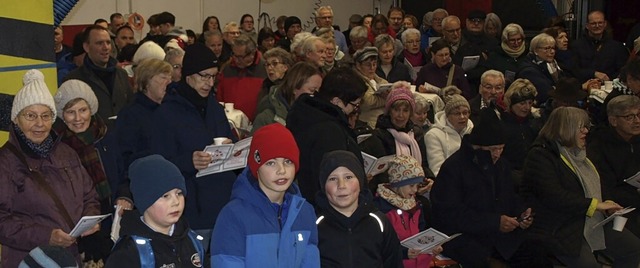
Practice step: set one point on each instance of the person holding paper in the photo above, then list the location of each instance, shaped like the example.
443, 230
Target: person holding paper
267, 223
473, 194
563, 187
540, 66
366, 62
512, 51
441, 72
351, 230
44, 188
615, 151
156, 234
405, 209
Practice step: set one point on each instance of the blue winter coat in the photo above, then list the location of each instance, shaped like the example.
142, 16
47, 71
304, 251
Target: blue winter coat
253, 232
178, 131
134, 132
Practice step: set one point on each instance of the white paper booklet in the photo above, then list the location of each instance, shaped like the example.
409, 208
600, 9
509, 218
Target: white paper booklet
634, 180
426, 240
86, 223
226, 157
383, 88
617, 213
470, 62
374, 166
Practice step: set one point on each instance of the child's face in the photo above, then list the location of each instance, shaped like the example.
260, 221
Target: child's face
166, 210
407, 191
342, 189
275, 177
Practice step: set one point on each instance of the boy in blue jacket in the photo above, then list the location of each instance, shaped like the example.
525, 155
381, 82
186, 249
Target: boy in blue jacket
267, 223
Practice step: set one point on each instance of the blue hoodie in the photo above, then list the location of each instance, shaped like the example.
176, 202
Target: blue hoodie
251, 231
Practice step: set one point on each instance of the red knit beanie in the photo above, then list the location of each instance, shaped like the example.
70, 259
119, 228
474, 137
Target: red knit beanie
269, 142
400, 93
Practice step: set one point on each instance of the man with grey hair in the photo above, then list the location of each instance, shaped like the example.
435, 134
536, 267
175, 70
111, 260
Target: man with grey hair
491, 88
615, 151
241, 78
324, 18
434, 28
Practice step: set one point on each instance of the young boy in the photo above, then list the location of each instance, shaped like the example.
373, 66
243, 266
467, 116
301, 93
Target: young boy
267, 223
155, 235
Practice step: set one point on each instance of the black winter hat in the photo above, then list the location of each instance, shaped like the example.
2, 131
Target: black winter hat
197, 57
151, 177
488, 130
291, 21
340, 158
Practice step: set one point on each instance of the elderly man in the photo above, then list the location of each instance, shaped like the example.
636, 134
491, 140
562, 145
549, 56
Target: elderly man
476, 43
597, 54
117, 21
241, 80
491, 87
615, 151
313, 50
324, 18
435, 29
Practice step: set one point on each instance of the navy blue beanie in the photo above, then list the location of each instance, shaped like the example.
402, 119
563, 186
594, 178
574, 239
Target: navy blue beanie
151, 177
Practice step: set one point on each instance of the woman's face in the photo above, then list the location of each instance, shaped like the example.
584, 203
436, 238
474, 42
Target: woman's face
368, 67
310, 86
385, 53
491, 30
379, 28
407, 191
400, 115
358, 43
419, 117
412, 44
35, 122
562, 41
459, 117
367, 22
157, 87
407, 23
522, 109
77, 117
442, 57
581, 136
268, 43
213, 24
515, 41
546, 52
275, 68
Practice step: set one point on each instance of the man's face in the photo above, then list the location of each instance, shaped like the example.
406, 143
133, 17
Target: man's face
98, 47
491, 87
633, 84
596, 24
395, 20
475, 25
231, 34
214, 43
436, 21
242, 56
165, 28
627, 123
451, 31
116, 23
293, 30
495, 150
324, 19
57, 36
317, 56
124, 37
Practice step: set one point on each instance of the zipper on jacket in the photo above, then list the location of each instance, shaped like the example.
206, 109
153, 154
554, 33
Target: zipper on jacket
350, 247
73, 189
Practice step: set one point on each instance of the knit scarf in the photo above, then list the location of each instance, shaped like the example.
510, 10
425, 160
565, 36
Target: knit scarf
84, 144
41, 150
590, 180
394, 199
406, 144
511, 52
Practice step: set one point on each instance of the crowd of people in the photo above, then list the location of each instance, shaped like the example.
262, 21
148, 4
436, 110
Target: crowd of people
521, 144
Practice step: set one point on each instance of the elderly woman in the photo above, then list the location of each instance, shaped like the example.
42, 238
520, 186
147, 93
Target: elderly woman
373, 102
358, 39
389, 67
183, 126
445, 136
441, 72
174, 57
302, 78
277, 63
564, 56
540, 66
420, 116
412, 52
45, 190
133, 124
563, 187
492, 25
512, 52
266, 40
519, 123
410, 21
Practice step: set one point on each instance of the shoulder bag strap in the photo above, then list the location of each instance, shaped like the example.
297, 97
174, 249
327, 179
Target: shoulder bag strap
37, 177
451, 71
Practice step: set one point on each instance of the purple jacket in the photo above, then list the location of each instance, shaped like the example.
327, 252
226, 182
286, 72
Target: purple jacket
28, 215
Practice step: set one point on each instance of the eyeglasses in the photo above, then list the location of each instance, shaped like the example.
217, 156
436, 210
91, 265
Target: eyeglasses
234, 32
46, 117
585, 127
461, 114
547, 49
272, 64
453, 30
476, 20
177, 66
371, 64
596, 23
494, 87
629, 117
207, 77
515, 40
245, 56
413, 42
326, 18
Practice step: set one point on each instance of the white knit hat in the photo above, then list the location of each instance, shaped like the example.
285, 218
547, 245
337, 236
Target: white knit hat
74, 89
33, 91
148, 50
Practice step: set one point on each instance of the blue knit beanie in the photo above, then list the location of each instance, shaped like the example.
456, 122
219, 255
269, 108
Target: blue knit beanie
151, 177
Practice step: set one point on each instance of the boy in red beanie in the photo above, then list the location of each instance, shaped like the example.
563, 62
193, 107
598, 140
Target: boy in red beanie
267, 223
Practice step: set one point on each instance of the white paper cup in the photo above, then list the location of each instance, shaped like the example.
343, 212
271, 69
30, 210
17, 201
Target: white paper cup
219, 140
618, 223
608, 85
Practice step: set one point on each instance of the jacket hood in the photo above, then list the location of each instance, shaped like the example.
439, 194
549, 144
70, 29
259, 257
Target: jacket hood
131, 224
443, 124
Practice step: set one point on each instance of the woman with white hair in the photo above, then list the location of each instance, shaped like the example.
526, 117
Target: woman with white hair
512, 51
412, 52
540, 66
45, 190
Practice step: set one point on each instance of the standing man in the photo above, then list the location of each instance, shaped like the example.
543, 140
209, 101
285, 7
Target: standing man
324, 19
395, 16
597, 54
117, 21
99, 70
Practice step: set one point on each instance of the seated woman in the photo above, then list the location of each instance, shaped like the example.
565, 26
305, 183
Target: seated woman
445, 136
302, 78
412, 53
421, 116
563, 188
405, 209
512, 51
277, 62
351, 230
358, 39
441, 72
389, 67
540, 66
394, 133
45, 190
366, 61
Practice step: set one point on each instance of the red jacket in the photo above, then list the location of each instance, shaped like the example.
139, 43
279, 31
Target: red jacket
242, 86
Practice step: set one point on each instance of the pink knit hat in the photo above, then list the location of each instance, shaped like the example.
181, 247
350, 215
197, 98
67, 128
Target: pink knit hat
400, 91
